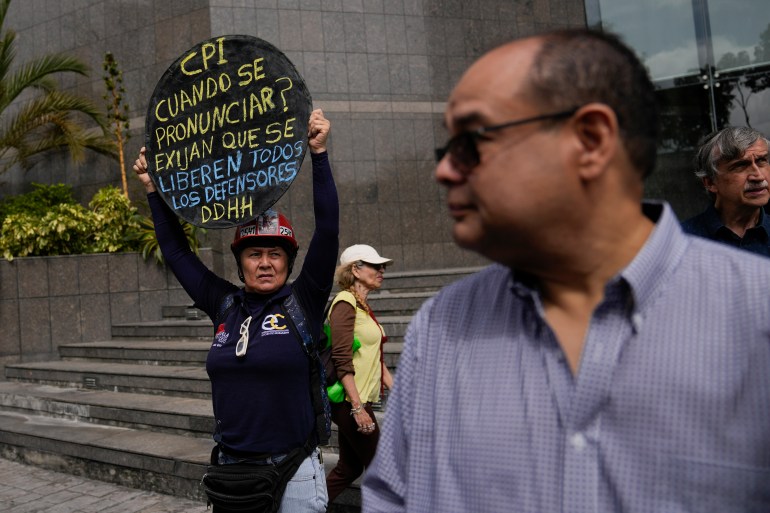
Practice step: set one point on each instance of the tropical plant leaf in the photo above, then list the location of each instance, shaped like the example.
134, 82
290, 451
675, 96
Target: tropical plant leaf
63, 227
35, 116
148, 242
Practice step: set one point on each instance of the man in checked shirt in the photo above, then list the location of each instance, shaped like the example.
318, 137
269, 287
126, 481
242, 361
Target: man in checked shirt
606, 361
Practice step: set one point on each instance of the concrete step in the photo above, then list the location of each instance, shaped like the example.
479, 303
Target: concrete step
187, 352
135, 410
185, 416
424, 280
151, 352
395, 327
384, 304
185, 311
169, 380
387, 304
161, 462
190, 331
192, 351
165, 329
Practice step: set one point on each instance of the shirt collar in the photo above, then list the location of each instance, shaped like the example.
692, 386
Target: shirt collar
714, 224
650, 268
764, 222
658, 257
712, 221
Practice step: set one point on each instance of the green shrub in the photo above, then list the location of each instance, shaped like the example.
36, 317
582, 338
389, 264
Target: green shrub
48, 221
115, 222
38, 201
63, 230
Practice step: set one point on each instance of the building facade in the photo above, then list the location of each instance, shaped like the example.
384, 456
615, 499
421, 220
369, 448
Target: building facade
381, 71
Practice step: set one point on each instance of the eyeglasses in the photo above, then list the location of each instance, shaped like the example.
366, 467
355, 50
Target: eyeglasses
243, 342
376, 267
463, 149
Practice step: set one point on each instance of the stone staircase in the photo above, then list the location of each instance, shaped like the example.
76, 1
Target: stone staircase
135, 410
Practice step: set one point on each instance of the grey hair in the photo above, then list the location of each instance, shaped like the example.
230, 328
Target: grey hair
723, 146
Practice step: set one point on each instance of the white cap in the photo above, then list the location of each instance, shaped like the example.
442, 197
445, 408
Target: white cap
364, 253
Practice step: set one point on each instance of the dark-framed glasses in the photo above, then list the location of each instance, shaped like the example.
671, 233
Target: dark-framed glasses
463, 149
376, 267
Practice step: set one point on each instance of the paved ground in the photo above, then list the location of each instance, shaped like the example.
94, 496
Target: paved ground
28, 489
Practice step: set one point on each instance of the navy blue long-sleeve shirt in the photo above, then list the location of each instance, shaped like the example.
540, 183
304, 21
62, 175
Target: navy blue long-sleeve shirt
262, 402
707, 224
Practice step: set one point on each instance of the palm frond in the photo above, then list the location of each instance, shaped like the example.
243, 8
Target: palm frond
37, 74
62, 133
7, 52
49, 122
37, 112
3, 10
47, 119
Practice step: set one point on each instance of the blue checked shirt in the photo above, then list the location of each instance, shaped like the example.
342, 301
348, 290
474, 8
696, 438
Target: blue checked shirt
669, 411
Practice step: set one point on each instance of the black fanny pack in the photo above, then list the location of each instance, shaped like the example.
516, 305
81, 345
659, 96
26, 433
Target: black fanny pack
249, 487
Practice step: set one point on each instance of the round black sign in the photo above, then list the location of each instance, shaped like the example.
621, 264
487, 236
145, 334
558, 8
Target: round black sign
226, 130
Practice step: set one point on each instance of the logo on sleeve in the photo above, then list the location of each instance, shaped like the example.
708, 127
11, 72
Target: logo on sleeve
220, 337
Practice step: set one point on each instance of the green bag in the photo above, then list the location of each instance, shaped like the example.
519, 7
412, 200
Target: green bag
334, 388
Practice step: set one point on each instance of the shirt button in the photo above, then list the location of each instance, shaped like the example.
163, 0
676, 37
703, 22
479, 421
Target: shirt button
578, 441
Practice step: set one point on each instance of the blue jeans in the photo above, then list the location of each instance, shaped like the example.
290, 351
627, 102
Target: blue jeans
306, 491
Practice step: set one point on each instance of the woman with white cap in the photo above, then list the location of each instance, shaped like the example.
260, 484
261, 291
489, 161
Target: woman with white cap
363, 372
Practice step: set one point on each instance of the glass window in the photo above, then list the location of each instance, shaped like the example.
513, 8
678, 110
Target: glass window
710, 62
743, 98
739, 40
661, 31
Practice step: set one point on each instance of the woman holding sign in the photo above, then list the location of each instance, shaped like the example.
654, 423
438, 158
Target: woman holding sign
259, 367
